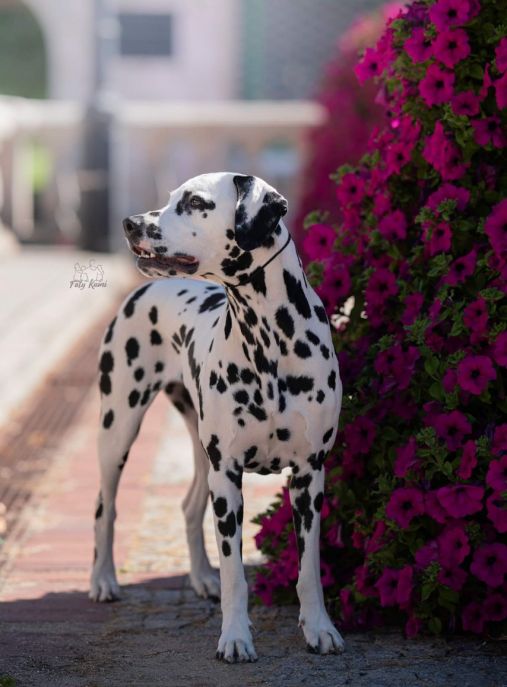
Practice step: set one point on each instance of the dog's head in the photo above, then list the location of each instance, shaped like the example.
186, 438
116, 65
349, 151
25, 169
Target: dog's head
210, 227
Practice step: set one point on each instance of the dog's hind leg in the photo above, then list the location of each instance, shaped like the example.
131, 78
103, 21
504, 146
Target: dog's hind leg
125, 397
113, 448
204, 579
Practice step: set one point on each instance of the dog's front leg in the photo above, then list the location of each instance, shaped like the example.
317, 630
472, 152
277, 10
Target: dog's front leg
306, 494
235, 643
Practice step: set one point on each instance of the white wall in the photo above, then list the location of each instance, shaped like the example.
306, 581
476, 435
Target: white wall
205, 64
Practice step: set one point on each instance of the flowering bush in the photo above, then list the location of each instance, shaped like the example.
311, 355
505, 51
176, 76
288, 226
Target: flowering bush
414, 521
351, 114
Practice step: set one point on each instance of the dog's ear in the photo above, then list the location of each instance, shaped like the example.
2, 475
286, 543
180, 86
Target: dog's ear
259, 209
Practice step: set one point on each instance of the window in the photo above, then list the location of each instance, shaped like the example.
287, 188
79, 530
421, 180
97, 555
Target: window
148, 35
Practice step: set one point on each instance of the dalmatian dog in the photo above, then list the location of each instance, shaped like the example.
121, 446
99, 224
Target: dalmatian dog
240, 343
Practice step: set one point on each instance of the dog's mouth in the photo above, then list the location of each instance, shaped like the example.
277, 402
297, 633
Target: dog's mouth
179, 261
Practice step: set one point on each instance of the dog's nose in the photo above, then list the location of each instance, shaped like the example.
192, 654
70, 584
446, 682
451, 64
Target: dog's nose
131, 225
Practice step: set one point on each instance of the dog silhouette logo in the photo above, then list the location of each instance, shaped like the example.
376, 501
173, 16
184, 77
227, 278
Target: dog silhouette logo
91, 276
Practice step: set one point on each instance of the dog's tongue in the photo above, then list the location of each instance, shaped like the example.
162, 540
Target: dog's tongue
183, 259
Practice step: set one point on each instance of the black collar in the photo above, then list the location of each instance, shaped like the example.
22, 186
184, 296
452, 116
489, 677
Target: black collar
242, 282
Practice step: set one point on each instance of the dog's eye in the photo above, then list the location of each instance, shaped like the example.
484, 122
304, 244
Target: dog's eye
196, 202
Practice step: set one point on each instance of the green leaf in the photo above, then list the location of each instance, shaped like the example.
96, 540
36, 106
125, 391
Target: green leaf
432, 365
435, 625
427, 590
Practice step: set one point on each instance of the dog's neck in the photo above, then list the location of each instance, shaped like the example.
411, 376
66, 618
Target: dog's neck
253, 304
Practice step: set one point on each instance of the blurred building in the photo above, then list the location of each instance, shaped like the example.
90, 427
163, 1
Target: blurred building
182, 75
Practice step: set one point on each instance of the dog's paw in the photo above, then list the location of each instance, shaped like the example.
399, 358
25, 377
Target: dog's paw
236, 646
321, 636
206, 584
104, 587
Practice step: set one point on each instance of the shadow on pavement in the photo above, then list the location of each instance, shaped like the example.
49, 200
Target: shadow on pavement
160, 633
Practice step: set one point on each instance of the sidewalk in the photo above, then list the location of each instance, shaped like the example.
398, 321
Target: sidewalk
159, 634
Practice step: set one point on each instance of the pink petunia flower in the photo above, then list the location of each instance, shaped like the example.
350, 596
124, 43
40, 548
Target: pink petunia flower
449, 380
496, 506
438, 238
387, 586
460, 500
489, 130
465, 104
393, 226
495, 607
405, 586
405, 504
475, 317
397, 156
318, 241
499, 350
360, 434
496, 477
472, 618
406, 458
371, 65
357, 539
395, 586
489, 564
413, 305
475, 372
454, 578
434, 508
375, 540
413, 626
440, 152
264, 589
453, 546
350, 189
461, 269
496, 227
326, 574
501, 55
447, 13
335, 286
364, 582
499, 444
346, 606
418, 47
397, 365
501, 92
426, 554
381, 204
451, 46
381, 286
449, 192
452, 427
468, 460
487, 82
437, 86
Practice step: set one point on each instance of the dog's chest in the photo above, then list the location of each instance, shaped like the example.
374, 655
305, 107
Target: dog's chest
269, 418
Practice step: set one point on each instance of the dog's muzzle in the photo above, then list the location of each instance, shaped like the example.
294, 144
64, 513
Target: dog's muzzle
151, 259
